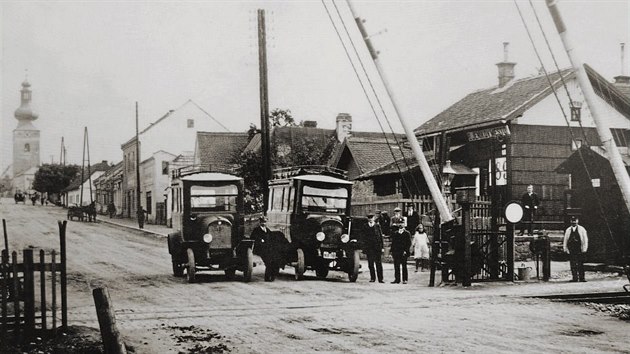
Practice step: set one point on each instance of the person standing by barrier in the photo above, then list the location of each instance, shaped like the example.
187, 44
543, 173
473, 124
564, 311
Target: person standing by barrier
530, 202
576, 244
384, 221
420, 246
373, 248
397, 219
401, 242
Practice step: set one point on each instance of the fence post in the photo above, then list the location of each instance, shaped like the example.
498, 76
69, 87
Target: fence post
42, 285
16, 296
53, 289
112, 340
6, 238
4, 273
64, 294
29, 294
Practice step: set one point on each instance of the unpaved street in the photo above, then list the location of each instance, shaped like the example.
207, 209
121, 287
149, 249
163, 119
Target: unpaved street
158, 313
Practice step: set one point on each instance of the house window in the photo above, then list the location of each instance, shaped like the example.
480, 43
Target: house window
149, 201
27, 147
576, 111
190, 123
164, 167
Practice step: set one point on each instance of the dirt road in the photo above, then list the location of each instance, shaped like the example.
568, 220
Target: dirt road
158, 313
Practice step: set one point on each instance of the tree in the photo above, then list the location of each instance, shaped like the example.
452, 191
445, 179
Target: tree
282, 118
53, 178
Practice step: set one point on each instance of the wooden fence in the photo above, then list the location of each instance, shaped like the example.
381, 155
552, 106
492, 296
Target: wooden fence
27, 313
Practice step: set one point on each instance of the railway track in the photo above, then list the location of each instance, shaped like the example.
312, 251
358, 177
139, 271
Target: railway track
617, 298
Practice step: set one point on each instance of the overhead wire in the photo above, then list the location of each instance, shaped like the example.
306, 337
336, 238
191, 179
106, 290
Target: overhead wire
573, 139
404, 158
365, 92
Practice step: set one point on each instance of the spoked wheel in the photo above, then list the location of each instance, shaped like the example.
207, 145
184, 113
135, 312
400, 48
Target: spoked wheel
299, 265
190, 271
249, 265
178, 269
353, 274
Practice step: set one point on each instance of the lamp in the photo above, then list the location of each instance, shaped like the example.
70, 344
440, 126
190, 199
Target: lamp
576, 111
449, 173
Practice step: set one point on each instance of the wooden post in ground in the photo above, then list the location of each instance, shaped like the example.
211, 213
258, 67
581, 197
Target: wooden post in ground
4, 274
42, 285
6, 238
64, 293
16, 296
29, 294
112, 340
53, 290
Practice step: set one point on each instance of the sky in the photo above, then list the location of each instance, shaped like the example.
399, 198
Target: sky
89, 61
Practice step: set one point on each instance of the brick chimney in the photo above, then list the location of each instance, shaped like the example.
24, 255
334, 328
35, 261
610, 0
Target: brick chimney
506, 69
622, 82
344, 126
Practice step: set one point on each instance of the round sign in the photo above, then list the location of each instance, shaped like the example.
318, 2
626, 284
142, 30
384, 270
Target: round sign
513, 212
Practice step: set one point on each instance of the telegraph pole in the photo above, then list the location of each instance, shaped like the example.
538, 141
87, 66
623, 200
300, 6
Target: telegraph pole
139, 211
264, 107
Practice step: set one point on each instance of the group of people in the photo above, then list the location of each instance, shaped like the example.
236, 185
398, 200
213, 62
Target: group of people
399, 229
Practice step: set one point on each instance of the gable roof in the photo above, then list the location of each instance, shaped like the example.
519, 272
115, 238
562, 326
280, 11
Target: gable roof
77, 182
219, 148
371, 152
493, 105
488, 106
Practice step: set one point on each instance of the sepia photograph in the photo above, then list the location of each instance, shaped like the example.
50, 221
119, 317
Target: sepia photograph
337, 176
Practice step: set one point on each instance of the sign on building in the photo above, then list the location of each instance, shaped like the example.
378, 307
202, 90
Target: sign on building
495, 132
500, 177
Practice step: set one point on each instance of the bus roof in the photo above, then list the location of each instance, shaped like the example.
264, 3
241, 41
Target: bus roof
322, 178
210, 176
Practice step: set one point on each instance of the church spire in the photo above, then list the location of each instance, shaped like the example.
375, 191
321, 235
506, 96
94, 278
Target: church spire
24, 114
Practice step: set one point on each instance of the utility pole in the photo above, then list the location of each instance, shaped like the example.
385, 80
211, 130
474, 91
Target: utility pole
62, 153
139, 211
264, 107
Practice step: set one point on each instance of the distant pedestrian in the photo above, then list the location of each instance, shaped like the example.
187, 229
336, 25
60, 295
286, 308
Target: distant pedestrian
576, 244
412, 217
420, 246
270, 246
401, 242
111, 209
373, 248
530, 203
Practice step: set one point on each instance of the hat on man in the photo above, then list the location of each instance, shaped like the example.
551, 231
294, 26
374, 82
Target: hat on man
574, 218
370, 215
410, 205
378, 212
396, 209
262, 219
401, 226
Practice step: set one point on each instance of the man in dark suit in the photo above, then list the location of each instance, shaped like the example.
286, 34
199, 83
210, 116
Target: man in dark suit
413, 219
384, 221
530, 203
373, 248
270, 246
401, 242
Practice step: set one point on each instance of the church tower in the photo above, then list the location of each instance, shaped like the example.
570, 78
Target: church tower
25, 136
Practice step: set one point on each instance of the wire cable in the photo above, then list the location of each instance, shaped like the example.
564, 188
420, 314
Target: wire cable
365, 92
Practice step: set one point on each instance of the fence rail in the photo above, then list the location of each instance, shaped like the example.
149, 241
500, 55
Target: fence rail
27, 313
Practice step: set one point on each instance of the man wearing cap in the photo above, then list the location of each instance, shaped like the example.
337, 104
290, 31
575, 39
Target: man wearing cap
373, 248
530, 203
401, 242
384, 221
396, 220
576, 244
413, 219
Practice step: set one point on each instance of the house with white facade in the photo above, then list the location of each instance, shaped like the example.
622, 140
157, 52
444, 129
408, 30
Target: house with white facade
167, 137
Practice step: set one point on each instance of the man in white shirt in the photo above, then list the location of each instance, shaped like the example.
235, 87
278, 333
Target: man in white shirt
576, 244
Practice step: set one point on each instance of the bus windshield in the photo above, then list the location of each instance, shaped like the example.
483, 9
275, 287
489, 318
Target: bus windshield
215, 198
330, 200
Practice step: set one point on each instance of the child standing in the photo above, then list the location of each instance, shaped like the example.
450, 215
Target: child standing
420, 246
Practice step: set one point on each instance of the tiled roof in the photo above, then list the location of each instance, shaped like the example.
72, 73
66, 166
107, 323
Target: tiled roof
372, 153
489, 106
220, 148
493, 104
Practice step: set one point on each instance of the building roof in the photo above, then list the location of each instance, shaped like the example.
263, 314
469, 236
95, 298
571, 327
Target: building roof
219, 148
493, 105
370, 151
77, 182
